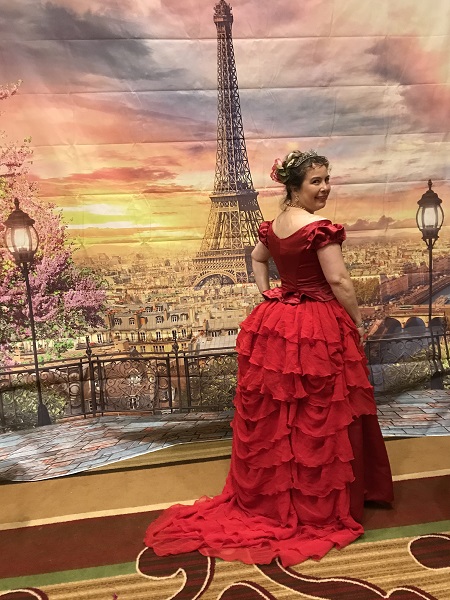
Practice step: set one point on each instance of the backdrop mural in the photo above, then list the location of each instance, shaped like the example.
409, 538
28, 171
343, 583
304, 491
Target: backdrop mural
119, 100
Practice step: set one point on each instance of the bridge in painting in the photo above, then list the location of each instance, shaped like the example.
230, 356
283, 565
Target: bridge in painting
410, 319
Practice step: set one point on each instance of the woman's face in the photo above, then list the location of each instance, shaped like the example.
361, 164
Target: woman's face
313, 192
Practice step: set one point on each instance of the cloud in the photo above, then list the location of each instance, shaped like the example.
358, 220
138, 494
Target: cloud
169, 189
109, 179
100, 209
145, 117
418, 68
122, 174
151, 175
382, 224
403, 60
113, 118
55, 45
429, 105
363, 224
304, 92
106, 225
54, 21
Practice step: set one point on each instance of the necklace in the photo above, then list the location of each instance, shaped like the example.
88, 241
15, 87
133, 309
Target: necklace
290, 205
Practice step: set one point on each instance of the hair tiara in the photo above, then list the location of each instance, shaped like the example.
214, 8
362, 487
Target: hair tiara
280, 169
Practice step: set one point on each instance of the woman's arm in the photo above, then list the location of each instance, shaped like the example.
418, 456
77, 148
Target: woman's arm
260, 266
333, 267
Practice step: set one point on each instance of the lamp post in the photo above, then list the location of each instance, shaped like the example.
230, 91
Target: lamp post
22, 241
429, 219
176, 349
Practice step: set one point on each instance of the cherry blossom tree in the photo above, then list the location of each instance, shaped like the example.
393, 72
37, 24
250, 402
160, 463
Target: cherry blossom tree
67, 300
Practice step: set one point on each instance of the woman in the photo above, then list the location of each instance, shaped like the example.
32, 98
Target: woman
307, 447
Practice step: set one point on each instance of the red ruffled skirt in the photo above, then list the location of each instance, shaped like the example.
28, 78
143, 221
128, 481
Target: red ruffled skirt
307, 448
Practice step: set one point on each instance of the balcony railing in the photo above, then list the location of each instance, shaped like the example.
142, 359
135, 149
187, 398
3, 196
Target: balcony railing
401, 362
188, 381
97, 385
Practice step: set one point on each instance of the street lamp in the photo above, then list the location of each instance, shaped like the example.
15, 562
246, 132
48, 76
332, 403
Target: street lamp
429, 219
22, 241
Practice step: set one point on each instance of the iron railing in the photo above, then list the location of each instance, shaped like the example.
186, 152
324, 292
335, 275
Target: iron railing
188, 381
408, 361
97, 385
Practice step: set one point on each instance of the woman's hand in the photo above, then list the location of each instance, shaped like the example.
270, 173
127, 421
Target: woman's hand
361, 330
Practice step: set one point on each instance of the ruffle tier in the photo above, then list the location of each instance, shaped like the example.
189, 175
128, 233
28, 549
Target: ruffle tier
301, 401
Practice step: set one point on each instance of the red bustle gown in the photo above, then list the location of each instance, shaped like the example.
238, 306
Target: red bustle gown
307, 446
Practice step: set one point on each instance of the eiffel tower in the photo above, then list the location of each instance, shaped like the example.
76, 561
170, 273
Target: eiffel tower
232, 229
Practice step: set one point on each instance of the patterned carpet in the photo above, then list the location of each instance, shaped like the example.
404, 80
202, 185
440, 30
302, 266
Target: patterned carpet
404, 555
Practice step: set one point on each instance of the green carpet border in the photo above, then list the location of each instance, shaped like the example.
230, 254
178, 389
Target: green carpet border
117, 570
404, 531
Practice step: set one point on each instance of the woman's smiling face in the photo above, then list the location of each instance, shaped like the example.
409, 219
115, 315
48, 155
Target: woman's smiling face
313, 193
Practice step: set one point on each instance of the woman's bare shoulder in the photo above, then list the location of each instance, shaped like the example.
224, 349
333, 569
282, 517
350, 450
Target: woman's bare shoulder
285, 224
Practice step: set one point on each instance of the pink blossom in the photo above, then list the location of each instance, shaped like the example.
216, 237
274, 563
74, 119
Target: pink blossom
66, 300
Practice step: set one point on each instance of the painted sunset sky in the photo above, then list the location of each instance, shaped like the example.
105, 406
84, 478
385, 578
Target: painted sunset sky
120, 101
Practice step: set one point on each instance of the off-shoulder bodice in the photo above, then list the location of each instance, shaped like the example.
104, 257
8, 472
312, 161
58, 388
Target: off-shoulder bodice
296, 259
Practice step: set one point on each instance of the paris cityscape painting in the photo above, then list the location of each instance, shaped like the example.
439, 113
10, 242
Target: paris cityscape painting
153, 128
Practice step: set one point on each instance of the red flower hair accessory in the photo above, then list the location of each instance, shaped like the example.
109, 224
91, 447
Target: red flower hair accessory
281, 169
278, 173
